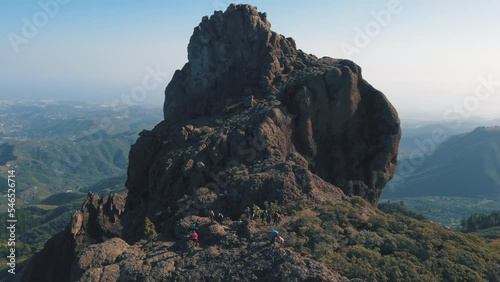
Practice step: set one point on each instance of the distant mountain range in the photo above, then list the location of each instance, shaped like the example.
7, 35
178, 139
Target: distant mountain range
68, 147
60, 152
466, 165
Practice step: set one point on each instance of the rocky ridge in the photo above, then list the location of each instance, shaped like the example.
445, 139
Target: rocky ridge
249, 119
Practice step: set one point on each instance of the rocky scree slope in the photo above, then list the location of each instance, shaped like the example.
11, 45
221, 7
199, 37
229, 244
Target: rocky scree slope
248, 119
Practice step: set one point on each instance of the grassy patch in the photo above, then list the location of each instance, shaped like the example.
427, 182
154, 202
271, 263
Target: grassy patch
361, 243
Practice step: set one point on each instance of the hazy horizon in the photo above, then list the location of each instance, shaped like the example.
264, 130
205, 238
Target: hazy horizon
433, 60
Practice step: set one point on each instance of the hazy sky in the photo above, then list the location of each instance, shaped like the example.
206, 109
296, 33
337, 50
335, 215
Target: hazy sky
426, 56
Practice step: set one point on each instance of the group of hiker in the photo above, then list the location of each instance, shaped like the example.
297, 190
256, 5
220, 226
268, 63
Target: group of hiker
211, 215
194, 225
194, 233
252, 213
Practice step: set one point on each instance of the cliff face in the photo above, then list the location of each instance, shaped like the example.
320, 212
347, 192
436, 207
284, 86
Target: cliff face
248, 119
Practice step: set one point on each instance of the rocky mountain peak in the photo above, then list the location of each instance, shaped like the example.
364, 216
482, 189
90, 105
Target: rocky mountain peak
232, 53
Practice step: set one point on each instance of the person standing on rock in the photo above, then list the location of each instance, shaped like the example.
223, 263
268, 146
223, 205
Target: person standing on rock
276, 218
268, 219
263, 216
257, 213
194, 236
211, 214
220, 218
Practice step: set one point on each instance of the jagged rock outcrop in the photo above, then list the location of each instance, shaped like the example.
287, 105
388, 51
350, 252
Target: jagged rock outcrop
249, 119
97, 221
230, 54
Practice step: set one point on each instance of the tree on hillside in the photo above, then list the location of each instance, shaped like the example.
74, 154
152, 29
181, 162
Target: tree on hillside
480, 221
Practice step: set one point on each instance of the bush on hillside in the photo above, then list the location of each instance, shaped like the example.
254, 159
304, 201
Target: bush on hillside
389, 247
149, 229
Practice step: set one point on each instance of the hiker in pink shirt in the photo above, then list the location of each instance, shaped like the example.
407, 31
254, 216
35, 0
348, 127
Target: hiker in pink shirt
195, 238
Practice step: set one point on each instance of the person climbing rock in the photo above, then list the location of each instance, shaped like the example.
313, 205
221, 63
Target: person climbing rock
274, 234
281, 241
194, 236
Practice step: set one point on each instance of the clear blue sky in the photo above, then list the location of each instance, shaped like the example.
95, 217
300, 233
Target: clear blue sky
426, 58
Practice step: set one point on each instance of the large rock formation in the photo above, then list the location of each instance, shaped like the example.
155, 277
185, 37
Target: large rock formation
249, 119
253, 119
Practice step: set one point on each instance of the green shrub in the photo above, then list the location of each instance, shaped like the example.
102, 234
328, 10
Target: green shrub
368, 239
149, 229
388, 247
206, 130
376, 222
357, 201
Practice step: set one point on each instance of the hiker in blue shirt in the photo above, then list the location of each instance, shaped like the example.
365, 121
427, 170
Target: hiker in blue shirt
194, 226
274, 234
